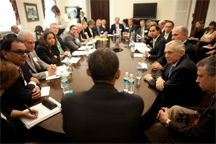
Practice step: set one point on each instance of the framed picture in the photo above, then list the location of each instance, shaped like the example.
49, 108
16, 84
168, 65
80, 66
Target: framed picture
31, 12
71, 11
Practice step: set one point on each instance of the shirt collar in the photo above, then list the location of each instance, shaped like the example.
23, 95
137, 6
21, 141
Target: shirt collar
156, 38
17, 67
175, 63
185, 41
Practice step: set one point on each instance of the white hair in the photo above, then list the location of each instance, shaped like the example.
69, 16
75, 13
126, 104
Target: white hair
179, 45
24, 33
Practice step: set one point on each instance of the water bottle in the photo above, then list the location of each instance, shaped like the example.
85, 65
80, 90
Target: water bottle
143, 58
105, 35
138, 71
87, 39
87, 50
93, 45
60, 76
125, 87
69, 55
134, 33
132, 45
131, 38
137, 38
64, 82
69, 66
131, 84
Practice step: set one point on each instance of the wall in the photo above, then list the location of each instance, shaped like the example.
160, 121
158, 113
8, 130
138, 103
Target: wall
211, 14
124, 9
29, 25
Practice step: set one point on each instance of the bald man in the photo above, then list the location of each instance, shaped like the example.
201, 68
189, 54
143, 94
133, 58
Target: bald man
15, 30
161, 25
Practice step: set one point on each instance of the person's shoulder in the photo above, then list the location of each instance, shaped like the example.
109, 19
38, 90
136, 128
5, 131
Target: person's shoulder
72, 97
41, 47
131, 97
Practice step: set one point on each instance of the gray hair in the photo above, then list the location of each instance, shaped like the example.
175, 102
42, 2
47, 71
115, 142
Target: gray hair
52, 24
78, 25
91, 22
152, 23
161, 22
209, 65
179, 45
98, 20
148, 21
183, 30
143, 21
24, 33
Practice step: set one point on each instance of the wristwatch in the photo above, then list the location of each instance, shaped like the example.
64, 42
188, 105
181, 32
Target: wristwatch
167, 123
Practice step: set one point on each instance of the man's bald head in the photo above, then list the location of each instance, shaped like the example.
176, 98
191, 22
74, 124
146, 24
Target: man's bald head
180, 33
161, 24
79, 27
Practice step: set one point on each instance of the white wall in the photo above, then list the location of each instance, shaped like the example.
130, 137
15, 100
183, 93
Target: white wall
211, 13
30, 25
124, 9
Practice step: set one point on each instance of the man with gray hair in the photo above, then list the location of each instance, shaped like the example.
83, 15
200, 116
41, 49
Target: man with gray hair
38, 68
195, 124
161, 25
142, 31
178, 33
15, 30
97, 29
175, 82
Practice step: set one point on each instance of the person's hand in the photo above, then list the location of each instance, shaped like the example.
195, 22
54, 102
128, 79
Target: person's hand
149, 46
65, 53
96, 37
160, 84
209, 45
51, 70
32, 79
55, 56
28, 114
85, 42
156, 66
91, 39
36, 93
164, 115
147, 77
162, 109
192, 38
146, 53
139, 36
210, 52
75, 36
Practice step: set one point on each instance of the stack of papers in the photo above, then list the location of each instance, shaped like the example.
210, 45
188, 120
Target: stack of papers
59, 69
72, 60
141, 47
77, 53
43, 113
84, 47
208, 47
144, 66
138, 55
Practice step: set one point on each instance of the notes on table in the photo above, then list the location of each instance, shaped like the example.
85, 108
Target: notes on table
45, 91
84, 47
207, 47
72, 60
141, 47
144, 66
59, 69
77, 53
110, 35
138, 55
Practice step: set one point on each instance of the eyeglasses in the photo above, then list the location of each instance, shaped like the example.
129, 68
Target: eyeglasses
20, 52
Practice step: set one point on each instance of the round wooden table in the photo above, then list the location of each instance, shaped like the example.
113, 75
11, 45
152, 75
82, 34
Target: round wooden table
81, 81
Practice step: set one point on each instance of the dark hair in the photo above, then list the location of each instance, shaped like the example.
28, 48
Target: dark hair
8, 73
38, 28
156, 26
72, 26
170, 22
7, 44
209, 65
43, 38
103, 64
211, 23
91, 22
55, 8
198, 29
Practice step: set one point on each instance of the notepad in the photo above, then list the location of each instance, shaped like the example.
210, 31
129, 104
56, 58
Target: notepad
138, 55
208, 47
84, 47
144, 66
43, 114
72, 60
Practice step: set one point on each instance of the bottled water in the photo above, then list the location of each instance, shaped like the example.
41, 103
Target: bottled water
69, 55
105, 34
125, 88
134, 33
69, 66
87, 50
93, 45
137, 38
64, 82
132, 45
143, 58
88, 39
138, 71
131, 84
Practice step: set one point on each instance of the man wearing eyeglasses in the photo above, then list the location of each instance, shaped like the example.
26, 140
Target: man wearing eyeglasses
26, 89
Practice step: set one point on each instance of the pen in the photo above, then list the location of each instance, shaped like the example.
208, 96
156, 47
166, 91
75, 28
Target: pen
30, 110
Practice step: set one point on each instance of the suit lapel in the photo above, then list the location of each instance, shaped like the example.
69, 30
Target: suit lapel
30, 65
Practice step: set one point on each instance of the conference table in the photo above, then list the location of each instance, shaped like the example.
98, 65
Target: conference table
80, 81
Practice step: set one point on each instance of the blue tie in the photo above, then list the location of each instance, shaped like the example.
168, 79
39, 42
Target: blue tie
98, 31
171, 69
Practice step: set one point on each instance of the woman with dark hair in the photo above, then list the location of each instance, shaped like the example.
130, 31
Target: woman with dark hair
9, 74
59, 19
83, 33
47, 49
198, 31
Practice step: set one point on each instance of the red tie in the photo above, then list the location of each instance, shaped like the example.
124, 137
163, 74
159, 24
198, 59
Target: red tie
30, 60
21, 72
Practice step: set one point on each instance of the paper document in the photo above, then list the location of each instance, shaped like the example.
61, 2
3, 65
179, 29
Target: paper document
59, 68
110, 35
138, 55
208, 47
45, 91
77, 53
144, 66
72, 60
142, 49
84, 47
125, 35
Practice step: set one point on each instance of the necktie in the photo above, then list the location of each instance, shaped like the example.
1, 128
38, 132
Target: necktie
129, 29
154, 43
60, 48
98, 31
30, 60
165, 35
142, 33
170, 71
20, 71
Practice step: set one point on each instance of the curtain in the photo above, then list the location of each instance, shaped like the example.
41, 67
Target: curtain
43, 6
14, 5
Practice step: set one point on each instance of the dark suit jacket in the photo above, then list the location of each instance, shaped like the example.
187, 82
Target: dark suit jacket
113, 28
19, 94
79, 20
133, 28
45, 55
203, 132
95, 31
181, 87
146, 30
13, 36
169, 37
158, 50
101, 114
89, 34
61, 43
189, 49
105, 29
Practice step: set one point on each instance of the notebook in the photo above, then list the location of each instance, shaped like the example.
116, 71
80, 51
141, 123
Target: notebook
43, 113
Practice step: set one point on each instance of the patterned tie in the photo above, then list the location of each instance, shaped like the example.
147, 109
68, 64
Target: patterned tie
60, 48
165, 35
20, 71
98, 31
30, 60
171, 70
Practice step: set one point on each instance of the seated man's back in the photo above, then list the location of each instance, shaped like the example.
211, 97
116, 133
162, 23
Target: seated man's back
102, 114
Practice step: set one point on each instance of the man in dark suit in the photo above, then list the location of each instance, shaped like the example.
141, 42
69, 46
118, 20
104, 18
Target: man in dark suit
203, 131
175, 82
89, 30
102, 114
97, 29
104, 26
178, 33
26, 89
117, 25
15, 30
167, 33
38, 68
142, 31
130, 27
158, 44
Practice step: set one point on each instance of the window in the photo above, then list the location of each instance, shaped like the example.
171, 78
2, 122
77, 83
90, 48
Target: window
7, 16
49, 15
